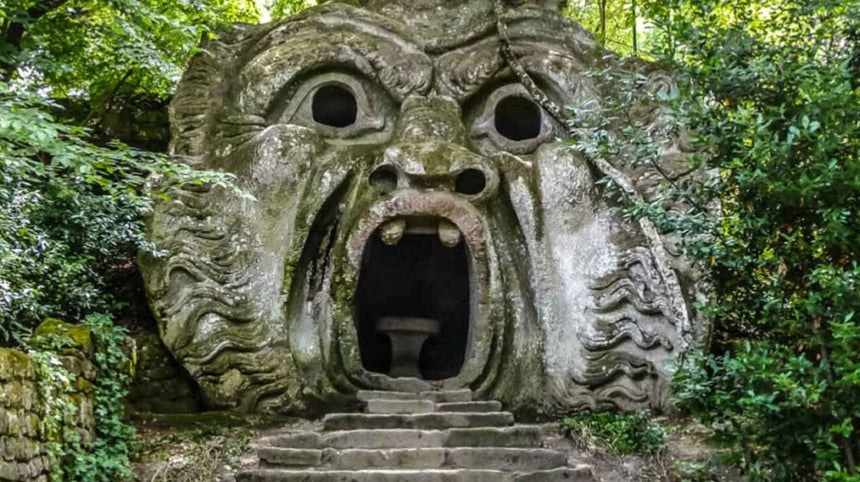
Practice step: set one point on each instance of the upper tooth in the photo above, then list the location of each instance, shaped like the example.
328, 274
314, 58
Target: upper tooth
392, 231
448, 233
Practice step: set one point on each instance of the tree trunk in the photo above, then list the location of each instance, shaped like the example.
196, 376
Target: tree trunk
602, 7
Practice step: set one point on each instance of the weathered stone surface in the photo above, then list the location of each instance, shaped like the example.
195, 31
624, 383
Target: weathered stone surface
442, 396
160, 384
482, 406
516, 436
363, 134
510, 459
79, 337
290, 457
400, 406
510, 453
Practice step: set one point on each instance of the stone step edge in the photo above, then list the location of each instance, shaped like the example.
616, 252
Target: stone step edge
580, 473
434, 420
464, 395
524, 458
430, 438
384, 407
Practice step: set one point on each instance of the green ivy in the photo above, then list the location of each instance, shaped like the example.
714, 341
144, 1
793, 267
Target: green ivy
70, 457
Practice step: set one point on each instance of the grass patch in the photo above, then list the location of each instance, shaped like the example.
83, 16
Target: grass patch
618, 433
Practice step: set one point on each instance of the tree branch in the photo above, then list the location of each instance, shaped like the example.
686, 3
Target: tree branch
15, 32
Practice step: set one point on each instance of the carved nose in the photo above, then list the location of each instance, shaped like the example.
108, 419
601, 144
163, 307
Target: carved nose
470, 181
430, 119
429, 153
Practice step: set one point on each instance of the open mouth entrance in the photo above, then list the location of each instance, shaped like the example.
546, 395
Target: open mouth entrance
412, 301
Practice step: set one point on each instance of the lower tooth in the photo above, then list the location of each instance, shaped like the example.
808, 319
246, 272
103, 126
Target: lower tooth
392, 231
449, 234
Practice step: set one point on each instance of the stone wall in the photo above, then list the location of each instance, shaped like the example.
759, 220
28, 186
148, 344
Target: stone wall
21, 430
24, 434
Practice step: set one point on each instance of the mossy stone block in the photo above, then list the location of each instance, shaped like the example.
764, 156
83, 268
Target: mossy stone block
75, 337
15, 365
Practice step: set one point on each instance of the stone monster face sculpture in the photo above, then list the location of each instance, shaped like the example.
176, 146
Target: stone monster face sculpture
413, 212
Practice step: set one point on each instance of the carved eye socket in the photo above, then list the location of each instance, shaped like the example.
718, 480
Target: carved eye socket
518, 118
334, 106
508, 119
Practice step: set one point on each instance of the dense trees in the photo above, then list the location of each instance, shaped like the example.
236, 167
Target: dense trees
773, 96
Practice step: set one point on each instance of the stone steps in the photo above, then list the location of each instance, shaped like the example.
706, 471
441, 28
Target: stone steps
444, 396
509, 459
515, 436
575, 474
381, 406
420, 421
416, 437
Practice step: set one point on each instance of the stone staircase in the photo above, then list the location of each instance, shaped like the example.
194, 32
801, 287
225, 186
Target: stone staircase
441, 436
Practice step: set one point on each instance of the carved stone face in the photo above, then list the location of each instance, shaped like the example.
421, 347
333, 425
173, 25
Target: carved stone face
399, 169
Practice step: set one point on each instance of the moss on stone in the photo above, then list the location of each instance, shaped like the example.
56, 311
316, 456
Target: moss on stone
15, 365
76, 337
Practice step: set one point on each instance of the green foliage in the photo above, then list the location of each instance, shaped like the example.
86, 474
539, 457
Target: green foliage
285, 8
91, 48
108, 458
620, 433
72, 198
611, 21
70, 213
72, 458
771, 89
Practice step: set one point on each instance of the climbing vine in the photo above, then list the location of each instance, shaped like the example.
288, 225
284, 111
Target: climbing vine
74, 454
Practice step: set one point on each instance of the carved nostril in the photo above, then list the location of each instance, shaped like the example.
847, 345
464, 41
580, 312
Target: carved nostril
471, 182
384, 179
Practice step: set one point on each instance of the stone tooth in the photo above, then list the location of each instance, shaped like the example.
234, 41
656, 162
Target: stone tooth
449, 234
392, 231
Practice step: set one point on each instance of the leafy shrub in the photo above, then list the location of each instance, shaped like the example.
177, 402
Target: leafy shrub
70, 213
618, 432
771, 88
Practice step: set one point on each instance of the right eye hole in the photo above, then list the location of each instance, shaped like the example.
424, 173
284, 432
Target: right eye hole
335, 106
518, 118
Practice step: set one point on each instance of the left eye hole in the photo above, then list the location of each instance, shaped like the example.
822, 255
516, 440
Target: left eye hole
334, 105
337, 105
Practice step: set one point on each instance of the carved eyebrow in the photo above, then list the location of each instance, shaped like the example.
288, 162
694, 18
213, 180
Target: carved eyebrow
332, 39
464, 72
549, 47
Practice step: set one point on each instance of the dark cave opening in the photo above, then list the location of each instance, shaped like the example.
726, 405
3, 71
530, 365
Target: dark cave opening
416, 277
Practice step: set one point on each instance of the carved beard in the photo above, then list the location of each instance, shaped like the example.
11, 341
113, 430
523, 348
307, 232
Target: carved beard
399, 170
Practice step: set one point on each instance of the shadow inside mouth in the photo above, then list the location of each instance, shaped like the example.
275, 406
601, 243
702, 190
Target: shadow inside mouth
416, 279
